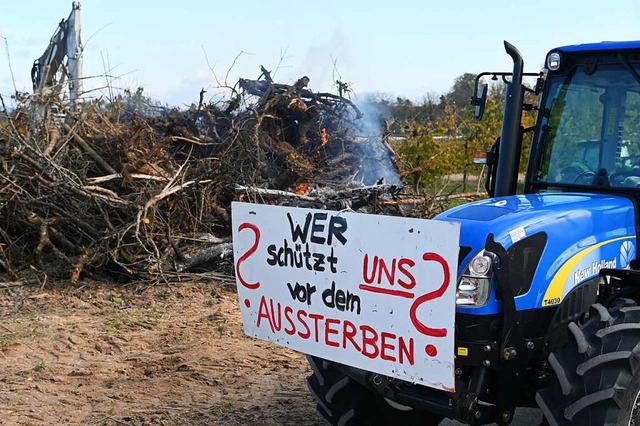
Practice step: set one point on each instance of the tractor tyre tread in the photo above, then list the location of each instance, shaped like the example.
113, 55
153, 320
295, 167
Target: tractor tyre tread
342, 401
595, 380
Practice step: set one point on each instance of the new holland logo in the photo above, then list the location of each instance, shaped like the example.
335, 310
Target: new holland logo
627, 253
593, 269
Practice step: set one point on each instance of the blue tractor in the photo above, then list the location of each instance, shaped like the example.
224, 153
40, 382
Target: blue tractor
548, 281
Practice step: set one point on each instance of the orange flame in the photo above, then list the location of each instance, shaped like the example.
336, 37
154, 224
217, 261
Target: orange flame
301, 189
325, 136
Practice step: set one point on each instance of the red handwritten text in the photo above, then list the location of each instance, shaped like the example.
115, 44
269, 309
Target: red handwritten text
398, 271
335, 332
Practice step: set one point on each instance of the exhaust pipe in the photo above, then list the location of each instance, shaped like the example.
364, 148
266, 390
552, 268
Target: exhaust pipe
511, 136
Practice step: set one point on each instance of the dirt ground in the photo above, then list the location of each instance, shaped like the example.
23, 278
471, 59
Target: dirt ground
171, 354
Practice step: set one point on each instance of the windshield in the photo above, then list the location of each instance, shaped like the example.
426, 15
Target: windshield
591, 129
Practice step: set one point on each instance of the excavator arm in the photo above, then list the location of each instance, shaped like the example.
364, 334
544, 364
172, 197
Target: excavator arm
61, 59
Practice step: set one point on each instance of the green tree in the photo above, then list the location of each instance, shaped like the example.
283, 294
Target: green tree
445, 143
460, 94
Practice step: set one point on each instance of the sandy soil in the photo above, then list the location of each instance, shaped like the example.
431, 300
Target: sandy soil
172, 354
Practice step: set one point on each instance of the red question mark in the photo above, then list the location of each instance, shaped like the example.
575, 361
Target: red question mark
254, 247
428, 331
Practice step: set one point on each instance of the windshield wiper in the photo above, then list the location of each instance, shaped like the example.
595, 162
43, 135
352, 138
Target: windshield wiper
631, 69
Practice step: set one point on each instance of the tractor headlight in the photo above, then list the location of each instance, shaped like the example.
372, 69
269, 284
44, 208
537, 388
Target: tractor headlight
474, 284
553, 61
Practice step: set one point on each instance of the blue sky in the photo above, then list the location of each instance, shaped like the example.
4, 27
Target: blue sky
400, 47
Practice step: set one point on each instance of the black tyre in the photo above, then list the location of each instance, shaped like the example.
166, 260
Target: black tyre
597, 374
342, 401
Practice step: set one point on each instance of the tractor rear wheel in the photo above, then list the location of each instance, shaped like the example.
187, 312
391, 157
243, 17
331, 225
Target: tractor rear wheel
343, 401
597, 373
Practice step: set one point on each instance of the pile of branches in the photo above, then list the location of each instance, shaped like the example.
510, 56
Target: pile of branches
123, 190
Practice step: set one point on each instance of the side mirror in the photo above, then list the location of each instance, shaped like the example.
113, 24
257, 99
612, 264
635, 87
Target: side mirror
539, 86
479, 101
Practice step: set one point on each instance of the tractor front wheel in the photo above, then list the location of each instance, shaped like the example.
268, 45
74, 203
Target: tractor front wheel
343, 401
597, 373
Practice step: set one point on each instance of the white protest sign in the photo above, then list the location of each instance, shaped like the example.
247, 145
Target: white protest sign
374, 292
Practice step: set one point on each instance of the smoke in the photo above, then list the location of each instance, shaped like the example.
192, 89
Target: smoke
374, 157
324, 62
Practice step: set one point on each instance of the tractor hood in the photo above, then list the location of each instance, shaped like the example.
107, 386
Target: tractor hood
573, 224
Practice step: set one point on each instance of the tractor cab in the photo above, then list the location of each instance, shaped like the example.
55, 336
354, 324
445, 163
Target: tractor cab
588, 131
587, 135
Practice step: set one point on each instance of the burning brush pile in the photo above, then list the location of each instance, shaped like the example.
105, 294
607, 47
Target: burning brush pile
110, 191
